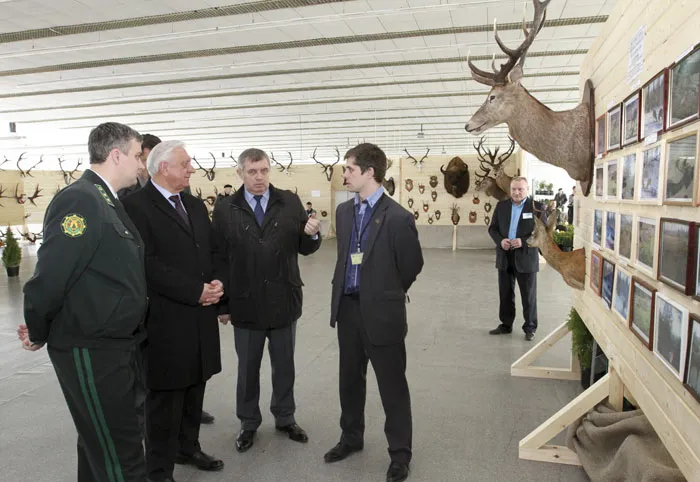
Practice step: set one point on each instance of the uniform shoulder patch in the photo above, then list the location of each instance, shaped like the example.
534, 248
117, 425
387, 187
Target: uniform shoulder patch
104, 195
73, 225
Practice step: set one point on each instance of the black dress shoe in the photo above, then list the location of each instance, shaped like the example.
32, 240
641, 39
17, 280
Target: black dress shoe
295, 432
245, 440
500, 330
163, 480
200, 460
529, 336
339, 452
207, 418
398, 471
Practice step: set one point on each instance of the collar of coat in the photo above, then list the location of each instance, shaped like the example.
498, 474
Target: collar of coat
238, 198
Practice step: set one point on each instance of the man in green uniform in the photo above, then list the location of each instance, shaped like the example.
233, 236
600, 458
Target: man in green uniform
87, 301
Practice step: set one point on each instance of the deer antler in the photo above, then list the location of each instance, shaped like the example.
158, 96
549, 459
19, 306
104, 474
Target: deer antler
32, 237
19, 197
409, 156
7, 160
275, 162
235, 161
515, 56
35, 195
327, 168
28, 172
2, 194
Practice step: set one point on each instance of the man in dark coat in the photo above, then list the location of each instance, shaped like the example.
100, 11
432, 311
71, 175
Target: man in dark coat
149, 142
87, 300
260, 232
182, 350
512, 223
379, 258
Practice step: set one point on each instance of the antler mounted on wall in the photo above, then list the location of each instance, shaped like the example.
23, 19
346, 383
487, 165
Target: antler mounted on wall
233, 158
35, 195
563, 138
20, 198
279, 165
2, 194
28, 172
7, 160
416, 162
68, 175
208, 173
494, 181
32, 237
327, 168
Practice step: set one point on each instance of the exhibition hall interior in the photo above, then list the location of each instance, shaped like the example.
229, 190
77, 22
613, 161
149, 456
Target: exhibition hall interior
279, 240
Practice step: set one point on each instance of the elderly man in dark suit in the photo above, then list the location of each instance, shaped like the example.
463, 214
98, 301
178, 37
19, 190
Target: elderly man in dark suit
512, 223
379, 258
183, 335
260, 232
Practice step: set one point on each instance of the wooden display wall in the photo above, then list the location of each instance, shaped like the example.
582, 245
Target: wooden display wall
670, 32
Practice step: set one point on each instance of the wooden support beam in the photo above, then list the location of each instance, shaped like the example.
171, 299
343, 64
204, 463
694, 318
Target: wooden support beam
454, 237
535, 447
617, 389
522, 367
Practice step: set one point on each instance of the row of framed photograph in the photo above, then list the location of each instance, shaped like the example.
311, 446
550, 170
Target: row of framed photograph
664, 326
634, 240
637, 176
669, 100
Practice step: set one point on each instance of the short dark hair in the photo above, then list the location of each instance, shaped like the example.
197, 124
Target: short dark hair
108, 136
227, 185
368, 155
252, 155
308, 203
149, 141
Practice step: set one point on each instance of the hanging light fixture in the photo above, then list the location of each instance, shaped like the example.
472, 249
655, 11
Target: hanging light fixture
420, 134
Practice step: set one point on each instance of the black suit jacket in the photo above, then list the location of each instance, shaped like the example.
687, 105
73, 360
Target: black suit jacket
183, 336
526, 258
391, 262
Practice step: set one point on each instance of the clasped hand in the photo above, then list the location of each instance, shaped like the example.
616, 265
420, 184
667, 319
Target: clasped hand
211, 293
508, 244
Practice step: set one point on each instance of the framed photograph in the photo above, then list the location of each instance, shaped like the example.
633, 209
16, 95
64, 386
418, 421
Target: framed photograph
599, 180
624, 236
677, 254
653, 103
621, 294
651, 169
670, 334
642, 311
628, 175
610, 226
600, 137
596, 271
598, 227
684, 90
630, 119
681, 168
692, 372
646, 244
606, 284
611, 192
614, 127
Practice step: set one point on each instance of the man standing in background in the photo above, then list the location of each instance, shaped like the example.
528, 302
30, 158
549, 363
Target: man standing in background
148, 143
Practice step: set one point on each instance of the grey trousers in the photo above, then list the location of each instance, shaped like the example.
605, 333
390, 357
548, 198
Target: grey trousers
250, 345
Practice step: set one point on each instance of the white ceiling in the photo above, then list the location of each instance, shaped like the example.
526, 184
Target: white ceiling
285, 75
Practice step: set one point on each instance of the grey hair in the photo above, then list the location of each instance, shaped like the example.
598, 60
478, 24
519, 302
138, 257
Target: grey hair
108, 136
252, 155
161, 153
518, 179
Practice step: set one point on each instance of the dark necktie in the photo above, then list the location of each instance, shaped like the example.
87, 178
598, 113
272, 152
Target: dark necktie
259, 213
179, 209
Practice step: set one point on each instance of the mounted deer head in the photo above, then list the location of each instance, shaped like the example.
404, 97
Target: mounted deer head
563, 139
437, 214
426, 206
487, 207
32, 237
327, 168
208, 173
68, 176
492, 164
472, 217
430, 219
571, 265
455, 214
324, 213
28, 172
389, 186
433, 181
416, 162
409, 184
416, 215
198, 191
410, 202
421, 188
456, 177
476, 199
487, 220
433, 195
279, 165
35, 195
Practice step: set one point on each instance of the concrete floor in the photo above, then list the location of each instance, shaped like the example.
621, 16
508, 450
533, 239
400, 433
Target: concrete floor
469, 413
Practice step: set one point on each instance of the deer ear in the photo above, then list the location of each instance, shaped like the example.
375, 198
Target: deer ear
516, 74
552, 221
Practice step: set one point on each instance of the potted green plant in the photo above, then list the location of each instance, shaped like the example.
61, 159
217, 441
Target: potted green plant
581, 345
12, 254
565, 239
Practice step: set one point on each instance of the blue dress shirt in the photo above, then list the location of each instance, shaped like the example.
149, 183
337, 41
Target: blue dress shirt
515, 211
252, 202
363, 215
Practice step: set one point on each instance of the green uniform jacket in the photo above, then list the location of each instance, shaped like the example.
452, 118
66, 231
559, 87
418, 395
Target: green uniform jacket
89, 285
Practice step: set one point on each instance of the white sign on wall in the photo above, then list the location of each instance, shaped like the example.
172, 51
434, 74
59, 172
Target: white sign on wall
635, 64
315, 193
